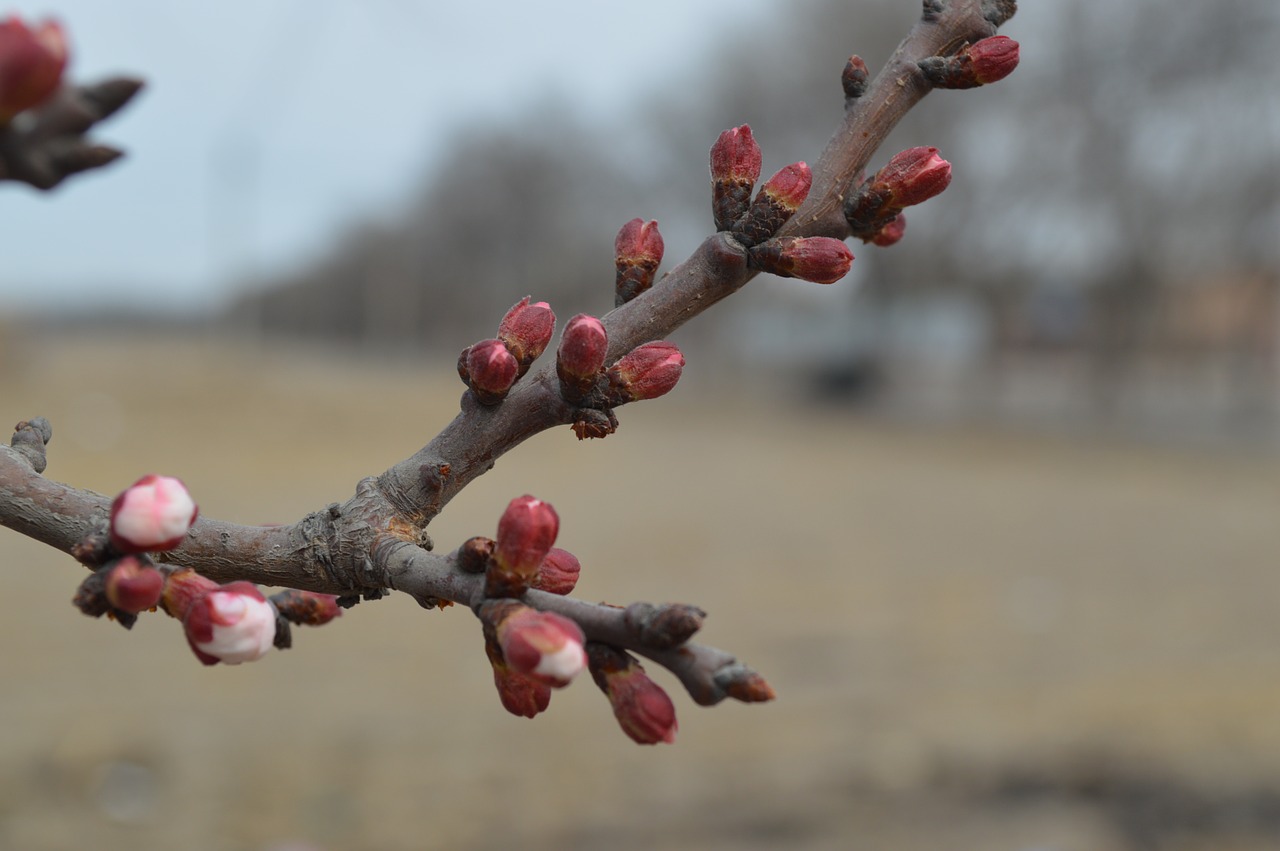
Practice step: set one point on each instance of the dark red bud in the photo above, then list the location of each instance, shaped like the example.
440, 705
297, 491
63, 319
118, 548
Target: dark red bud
558, 573
646, 372
735, 157
491, 370
31, 64
892, 232
526, 330
580, 358
913, 176
776, 201
855, 77
132, 586
644, 711
819, 259
977, 64
637, 255
526, 532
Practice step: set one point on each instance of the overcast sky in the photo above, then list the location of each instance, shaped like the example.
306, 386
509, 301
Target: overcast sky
268, 124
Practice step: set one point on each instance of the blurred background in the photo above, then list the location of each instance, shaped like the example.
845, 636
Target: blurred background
996, 514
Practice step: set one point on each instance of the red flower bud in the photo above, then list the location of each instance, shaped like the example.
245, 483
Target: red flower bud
913, 176
735, 168
132, 586
976, 64
644, 711
820, 259
526, 330
31, 64
521, 695
541, 645
776, 201
580, 358
307, 608
152, 514
491, 370
637, 254
890, 233
526, 532
855, 77
646, 372
558, 573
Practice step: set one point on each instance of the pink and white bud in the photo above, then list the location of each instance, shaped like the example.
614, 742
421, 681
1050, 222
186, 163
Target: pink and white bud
491, 370
231, 624
558, 573
526, 532
132, 586
643, 709
646, 372
31, 64
542, 645
153, 514
526, 330
580, 358
913, 176
892, 232
819, 259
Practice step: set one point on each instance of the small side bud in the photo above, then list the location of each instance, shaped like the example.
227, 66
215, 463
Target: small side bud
521, 695
558, 573
644, 711
646, 372
855, 77
32, 60
132, 586
580, 358
306, 608
474, 554
526, 532
891, 233
637, 254
526, 331
541, 645
985, 61
491, 371
776, 202
735, 168
819, 259
151, 515
914, 176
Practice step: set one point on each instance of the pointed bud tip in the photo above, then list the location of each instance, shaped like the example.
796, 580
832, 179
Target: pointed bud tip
735, 157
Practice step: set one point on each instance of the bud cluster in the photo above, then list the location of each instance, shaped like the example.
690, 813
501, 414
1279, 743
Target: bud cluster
491, 367
910, 177
985, 61
637, 254
32, 60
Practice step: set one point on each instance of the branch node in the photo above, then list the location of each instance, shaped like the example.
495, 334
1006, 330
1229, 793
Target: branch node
29, 440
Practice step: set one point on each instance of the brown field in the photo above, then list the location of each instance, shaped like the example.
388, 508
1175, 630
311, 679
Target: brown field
979, 641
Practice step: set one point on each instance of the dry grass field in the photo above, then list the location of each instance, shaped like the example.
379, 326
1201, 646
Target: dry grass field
979, 641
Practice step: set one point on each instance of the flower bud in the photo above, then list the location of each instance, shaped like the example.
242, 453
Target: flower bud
637, 254
644, 711
491, 370
233, 623
132, 586
890, 233
855, 77
520, 694
31, 64
558, 573
541, 645
819, 259
735, 168
977, 64
776, 201
526, 531
580, 358
646, 372
913, 176
526, 330
153, 514
306, 608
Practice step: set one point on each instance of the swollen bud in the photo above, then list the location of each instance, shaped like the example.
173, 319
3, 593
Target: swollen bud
526, 531
558, 573
644, 711
230, 623
580, 358
31, 64
890, 233
541, 645
646, 372
521, 695
855, 77
819, 259
306, 608
526, 331
735, 168
776, 201
132, 586
490, 371
153, 514
637, 254
977, 64
914, 176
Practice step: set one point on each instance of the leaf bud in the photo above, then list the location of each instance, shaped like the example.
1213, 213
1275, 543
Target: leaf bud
855, 77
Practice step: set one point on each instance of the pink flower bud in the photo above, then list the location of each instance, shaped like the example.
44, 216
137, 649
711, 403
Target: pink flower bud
646, 372
776, 202
855, 77
233, 623
580, 358
892, 232
132, 586
31, 64
526, 330
977, 64
153, 514
913, 176
637, 255
820, 259
558, 573
735, 168
542, 645
491, 370
521, 695
526, 532
644, 711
